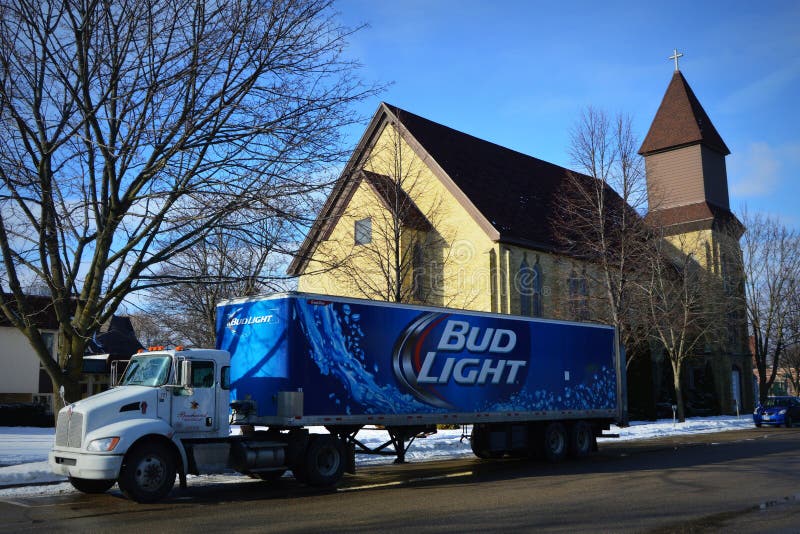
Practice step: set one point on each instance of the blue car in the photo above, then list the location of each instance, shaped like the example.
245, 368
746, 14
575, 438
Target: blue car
778, 411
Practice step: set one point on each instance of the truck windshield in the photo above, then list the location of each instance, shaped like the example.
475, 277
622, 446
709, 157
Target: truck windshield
147, 371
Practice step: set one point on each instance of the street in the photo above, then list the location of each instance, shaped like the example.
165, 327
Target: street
739, 481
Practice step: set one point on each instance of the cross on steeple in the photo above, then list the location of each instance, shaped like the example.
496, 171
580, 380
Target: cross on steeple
675, 55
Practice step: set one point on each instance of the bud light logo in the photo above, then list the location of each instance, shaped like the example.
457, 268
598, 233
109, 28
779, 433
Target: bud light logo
452, 362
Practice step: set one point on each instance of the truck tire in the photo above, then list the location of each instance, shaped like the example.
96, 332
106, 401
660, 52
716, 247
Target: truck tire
148, 473
555, 442
479, 442
86, 485
580, 439
324, 462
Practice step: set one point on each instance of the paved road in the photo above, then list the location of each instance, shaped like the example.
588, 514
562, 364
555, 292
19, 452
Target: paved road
743, 481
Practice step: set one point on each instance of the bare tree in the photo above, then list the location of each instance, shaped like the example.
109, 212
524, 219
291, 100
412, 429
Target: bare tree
790, 367
770, 262
684, 302
600, 214
396, 253
225, 265
131, 129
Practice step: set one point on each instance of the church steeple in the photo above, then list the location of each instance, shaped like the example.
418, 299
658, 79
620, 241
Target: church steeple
684, 154
680, 121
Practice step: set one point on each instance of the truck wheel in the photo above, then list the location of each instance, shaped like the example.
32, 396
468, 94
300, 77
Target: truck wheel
86, 485
324, 461
148, 473
479, 442
555, 442
580, 439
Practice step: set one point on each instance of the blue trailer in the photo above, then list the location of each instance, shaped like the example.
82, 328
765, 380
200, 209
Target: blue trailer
525, 385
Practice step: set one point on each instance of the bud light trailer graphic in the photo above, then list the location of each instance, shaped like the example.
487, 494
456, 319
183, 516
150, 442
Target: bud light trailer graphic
354, 357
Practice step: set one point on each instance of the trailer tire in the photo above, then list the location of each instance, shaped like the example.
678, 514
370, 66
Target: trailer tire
479, 442
324, 461
148, 472
86, 485
555, 442
580, 439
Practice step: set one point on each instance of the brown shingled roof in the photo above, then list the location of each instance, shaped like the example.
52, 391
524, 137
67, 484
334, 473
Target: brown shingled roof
701, 214
680, 121
43, 314
387, 190
515, 192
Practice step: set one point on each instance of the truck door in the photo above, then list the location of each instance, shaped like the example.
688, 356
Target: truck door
195, 409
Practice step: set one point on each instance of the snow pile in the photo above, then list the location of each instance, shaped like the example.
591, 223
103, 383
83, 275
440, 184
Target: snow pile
23, 450
667, 427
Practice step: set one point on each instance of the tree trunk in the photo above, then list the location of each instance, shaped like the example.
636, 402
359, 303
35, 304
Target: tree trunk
71, 372
676, 381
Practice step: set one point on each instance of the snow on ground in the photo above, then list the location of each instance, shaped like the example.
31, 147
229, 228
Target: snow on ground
24, 469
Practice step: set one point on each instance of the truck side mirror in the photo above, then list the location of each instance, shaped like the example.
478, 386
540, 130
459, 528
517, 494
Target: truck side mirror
186, 374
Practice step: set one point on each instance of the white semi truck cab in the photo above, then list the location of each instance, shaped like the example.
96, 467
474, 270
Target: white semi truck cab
170, 414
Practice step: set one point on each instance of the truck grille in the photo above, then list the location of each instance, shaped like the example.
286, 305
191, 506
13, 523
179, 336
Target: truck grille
69, 429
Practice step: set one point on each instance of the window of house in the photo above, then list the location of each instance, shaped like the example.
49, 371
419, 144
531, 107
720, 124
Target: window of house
363, 231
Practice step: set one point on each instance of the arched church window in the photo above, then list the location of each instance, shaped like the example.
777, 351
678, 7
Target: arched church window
525, 287
418, 272
578, 295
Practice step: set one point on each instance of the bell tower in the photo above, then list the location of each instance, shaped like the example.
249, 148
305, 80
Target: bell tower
687, 181
687, 191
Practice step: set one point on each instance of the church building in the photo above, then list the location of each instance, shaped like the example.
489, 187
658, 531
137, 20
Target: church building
426, 214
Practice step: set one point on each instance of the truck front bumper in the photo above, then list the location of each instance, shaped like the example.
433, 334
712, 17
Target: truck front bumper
85, 465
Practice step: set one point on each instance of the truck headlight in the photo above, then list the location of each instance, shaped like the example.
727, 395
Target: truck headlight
103, 445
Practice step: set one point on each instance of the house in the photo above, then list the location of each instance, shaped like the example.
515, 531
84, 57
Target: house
23, 379
424, 213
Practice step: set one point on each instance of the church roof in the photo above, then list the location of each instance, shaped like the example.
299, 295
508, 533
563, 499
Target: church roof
511, 195
516, 193
695, 216
681, 121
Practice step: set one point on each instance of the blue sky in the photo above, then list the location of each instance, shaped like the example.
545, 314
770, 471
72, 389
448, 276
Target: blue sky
518, 73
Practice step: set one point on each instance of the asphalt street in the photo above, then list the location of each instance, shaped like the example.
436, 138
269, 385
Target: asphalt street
740, 481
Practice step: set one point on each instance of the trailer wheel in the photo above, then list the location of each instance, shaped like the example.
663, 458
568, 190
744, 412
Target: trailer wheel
86, 485
555, 442
479, 442
324, 461
148, 473
580, 439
